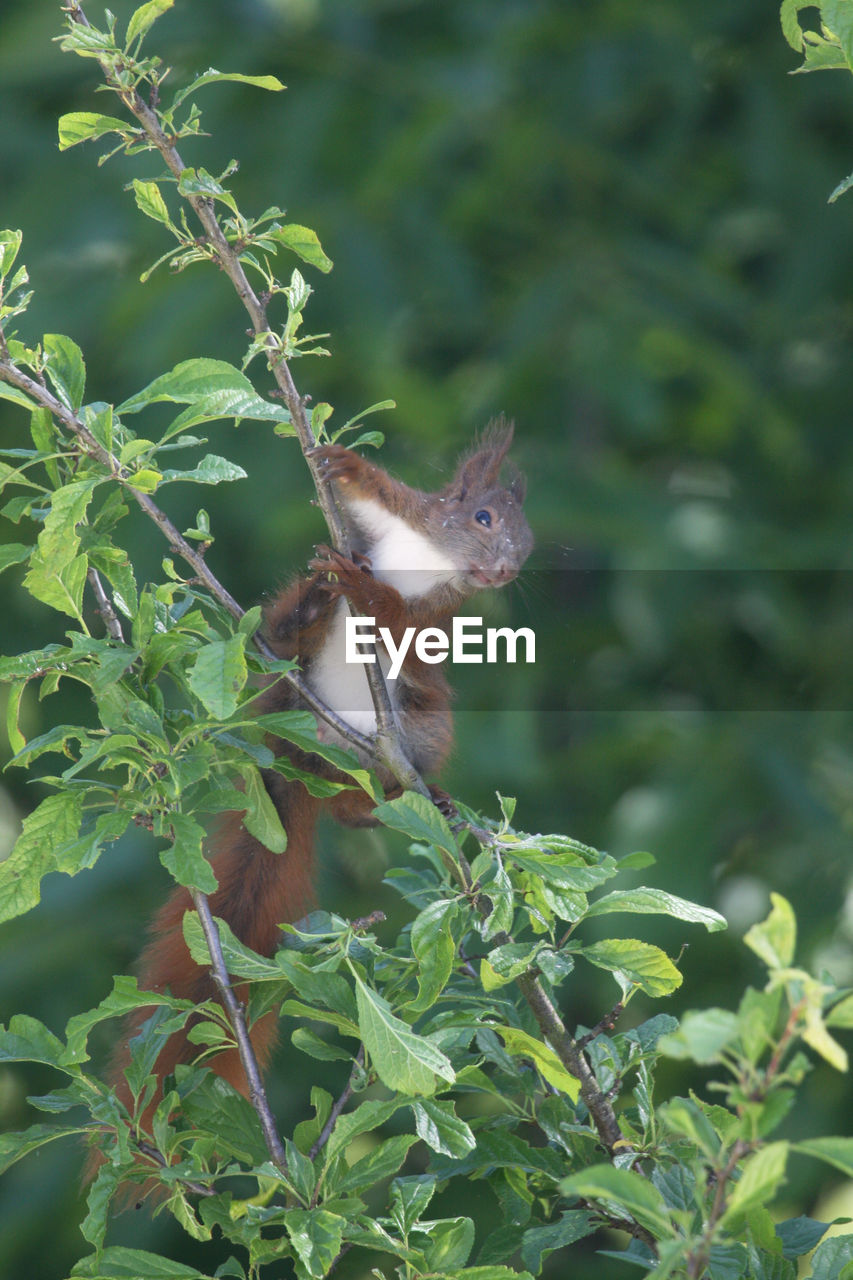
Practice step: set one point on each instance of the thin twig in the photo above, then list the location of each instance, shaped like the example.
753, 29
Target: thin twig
257, 1092
105, 607
339, 1104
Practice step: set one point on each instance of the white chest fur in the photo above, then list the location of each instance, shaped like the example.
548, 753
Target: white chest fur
342, 685
399, 554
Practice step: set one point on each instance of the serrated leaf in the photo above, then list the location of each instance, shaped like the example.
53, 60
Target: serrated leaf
635, 963
55, 822
800, 1235
262, 819
28, 1040
316, 1236
762, 1174
184, 859
644, 901
144, 17
835, 1151
702, 1036
774, 940
419, 819
521, 1045
211, 470
10, 244
14, 1146
435, 951
219, 675
119, 1263
438, 1125
240, 960
212, 389
303, 242
79, 126
212, 76
634, 1195
383, 1161
539, 1242
403, 1060
833, 1259
149, 200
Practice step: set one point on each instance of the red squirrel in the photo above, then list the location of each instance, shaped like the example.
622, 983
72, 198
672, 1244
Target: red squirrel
415, 557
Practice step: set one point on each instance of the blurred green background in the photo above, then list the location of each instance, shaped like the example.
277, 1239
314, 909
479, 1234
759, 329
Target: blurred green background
609, 222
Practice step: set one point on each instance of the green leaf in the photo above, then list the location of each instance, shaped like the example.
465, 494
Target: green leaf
261, 818
240, 960
55, 822
841, 189
438, 1125
418, 818
832, 1259
539, 1242
656, 902
60, 586
434, 949
184, 859
13, 1146
774, 940
522, 1045
213, 77
211, 470
219, 675
17, 741
303, 242
212, 388
702, 1036
316, 1047
198, 182
800, 1235
450, 1243
635, 963
10, 244
316, 1236
761, 1175
150, 201
65, 368
838, 17
300, 728
145, 480
94, 1226
79, 126
403, 1060
144, 17
841, 1014
633, 1193
685, 1117
119, 1263
383, 1161
835, 1151
28, 1040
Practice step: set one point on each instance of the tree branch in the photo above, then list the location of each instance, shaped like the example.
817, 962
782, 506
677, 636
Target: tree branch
105, 607
236, 1014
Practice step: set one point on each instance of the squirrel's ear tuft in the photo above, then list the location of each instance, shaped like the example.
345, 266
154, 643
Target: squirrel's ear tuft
479, 469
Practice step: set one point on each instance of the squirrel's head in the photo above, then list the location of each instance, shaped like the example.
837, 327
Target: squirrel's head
482, 520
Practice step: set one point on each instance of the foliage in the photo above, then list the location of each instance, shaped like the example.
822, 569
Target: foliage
462, 1066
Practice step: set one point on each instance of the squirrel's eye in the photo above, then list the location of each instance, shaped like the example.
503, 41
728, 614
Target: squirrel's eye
483, 517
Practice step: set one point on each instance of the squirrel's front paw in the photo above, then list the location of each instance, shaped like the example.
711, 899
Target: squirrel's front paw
337, 462
342, 573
